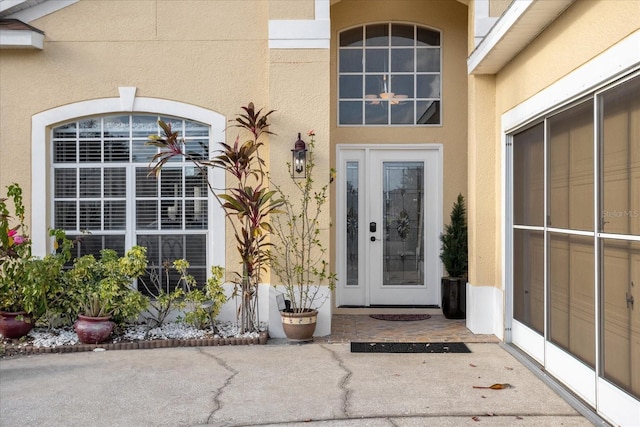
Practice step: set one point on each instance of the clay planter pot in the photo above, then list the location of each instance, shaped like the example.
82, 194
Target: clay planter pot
15, 324
299, 327
93, 330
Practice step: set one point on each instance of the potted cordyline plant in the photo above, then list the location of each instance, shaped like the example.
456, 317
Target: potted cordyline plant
297, 256
247, 202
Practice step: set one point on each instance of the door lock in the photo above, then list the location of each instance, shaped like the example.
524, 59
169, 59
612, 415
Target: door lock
372, 227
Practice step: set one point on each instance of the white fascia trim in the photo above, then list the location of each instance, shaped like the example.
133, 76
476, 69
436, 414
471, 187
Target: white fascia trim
614, 62
8, 4
482, 22
302, 33
40, 10
21, 39
299, 44
498, 31
509, 41
41, 182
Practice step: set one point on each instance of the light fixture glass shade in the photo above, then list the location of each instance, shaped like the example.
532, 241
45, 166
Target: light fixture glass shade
299, 159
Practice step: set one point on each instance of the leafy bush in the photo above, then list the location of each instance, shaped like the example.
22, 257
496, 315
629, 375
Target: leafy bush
104, 286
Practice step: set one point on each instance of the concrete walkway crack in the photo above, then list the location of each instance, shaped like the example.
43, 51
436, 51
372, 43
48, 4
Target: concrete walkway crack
346, 392
218, 392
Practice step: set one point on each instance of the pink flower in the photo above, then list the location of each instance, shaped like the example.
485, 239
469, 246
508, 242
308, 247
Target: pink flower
15, 238
311, 133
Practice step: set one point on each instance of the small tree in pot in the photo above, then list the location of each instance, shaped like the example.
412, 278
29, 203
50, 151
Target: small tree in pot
454, 256
297, 254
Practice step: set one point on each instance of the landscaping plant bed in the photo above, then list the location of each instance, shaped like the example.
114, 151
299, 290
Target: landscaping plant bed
134, 337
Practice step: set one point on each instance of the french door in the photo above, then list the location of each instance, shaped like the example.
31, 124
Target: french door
389, 219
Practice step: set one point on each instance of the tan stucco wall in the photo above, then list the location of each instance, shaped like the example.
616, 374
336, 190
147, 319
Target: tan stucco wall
484, 172
449, 16
497, 7
175, 50
291, 9
299, 86
577, 36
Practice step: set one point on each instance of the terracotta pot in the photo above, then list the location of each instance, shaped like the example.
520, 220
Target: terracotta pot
15, 324
93, 330
299, 327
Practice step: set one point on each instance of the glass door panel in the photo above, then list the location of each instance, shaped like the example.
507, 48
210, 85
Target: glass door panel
353, 248
403, 214
403, 227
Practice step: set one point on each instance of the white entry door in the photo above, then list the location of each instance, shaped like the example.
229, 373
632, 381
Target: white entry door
389, 220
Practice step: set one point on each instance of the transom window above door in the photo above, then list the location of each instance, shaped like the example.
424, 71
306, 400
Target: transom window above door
389, 74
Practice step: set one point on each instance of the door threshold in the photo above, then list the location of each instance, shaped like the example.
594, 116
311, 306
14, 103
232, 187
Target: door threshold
354, 310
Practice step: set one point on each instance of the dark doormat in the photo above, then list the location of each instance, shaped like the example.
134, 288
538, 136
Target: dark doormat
400, 317
409, 347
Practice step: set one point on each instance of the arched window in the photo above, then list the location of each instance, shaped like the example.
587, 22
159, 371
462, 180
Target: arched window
389, 74
103, 192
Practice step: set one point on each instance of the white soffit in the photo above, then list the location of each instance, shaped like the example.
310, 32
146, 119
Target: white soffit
23, 39
516, 28
16, 34
30, 10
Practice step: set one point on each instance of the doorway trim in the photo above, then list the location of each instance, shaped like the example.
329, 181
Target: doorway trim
346, 295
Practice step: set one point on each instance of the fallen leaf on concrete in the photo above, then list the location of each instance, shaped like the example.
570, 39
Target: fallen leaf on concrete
472, 365
496, 386
508, 368
475, 418
518, 417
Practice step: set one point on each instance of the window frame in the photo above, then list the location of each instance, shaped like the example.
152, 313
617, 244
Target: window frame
84, 194
366, 99
41, 159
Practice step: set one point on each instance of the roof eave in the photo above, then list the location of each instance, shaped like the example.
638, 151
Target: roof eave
516, 28
21, 39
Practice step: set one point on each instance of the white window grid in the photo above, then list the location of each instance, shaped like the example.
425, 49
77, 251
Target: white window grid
432, 102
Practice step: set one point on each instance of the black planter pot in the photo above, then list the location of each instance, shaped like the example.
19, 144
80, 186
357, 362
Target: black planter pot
454, 297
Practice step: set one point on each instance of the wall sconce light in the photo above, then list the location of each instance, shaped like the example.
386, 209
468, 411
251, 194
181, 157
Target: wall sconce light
299, 159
